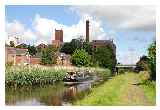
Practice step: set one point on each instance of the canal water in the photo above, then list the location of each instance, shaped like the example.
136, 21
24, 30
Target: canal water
50, 95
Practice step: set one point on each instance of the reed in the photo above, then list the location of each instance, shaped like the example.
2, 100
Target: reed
30, 76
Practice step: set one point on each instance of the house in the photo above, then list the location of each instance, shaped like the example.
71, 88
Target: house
19, 56
16, 55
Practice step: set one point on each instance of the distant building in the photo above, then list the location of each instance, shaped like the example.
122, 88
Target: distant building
102, 43
58, 38
57, 43
19, 56
59, 35
87, 30
16, 55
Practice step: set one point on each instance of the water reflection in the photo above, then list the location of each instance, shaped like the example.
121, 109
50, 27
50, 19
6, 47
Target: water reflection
50, 95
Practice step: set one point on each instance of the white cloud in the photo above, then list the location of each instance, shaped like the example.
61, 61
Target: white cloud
45, 27
14, 27
43, 30
17, 29
139, 18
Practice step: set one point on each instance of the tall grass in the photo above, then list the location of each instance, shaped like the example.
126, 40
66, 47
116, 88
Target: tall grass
41, 75
29, 76
148, 86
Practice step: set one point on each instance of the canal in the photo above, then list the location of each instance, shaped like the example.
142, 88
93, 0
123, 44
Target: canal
58, 94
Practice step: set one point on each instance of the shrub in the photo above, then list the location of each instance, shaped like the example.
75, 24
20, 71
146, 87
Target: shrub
144, 76
49, 56
152, 59
80, 58
105, 57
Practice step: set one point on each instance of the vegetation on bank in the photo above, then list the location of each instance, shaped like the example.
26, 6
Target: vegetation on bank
148, 63
48, 55
30, 76
149, 88
84, 54
81, 58
121, 91
152, 59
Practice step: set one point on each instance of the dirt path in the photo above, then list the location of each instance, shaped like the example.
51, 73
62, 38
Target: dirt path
133, 94
122, 89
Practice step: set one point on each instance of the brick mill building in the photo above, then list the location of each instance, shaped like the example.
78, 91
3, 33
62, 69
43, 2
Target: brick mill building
58, 38
20, 56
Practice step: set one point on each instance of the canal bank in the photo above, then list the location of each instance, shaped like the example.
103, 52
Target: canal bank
122, 90
57, 93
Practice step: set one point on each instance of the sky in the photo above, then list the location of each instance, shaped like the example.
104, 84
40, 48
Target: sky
132, 28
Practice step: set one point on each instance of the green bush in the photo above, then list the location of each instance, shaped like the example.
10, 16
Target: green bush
103, 73
144, 76
152, 59
81, 58
105, 57
48, 56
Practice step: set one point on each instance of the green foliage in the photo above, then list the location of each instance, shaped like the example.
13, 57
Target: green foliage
88, 47
143, 64
23, 45
81, 58
32, 50
149, 88
144, 76
70, 47
49, 55
66, 48
12, 44
152, 59
117, 91
103, 73
9, 64
105, 57
105, 94
26, 76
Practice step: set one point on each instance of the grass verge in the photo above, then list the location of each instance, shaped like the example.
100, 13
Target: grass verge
149, 88
113, 92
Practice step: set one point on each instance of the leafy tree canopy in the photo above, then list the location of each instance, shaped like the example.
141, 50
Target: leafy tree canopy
81, 58
48, 56
105, 57
152, 59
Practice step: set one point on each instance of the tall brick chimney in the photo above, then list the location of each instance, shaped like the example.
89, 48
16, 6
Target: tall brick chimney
87, 30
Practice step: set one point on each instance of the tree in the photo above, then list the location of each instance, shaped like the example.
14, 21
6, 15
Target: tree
142, 64
152, 59
80, 58
88, 47
48, 55
70, 47
12, 44
23, 45
105, 57
32, 50
66, 48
